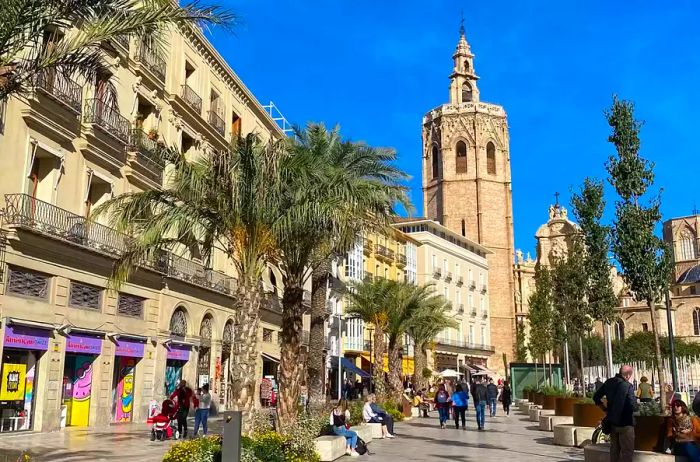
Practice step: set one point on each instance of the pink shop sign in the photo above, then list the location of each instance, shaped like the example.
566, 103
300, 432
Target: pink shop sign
130, 348
87, 344
178, 351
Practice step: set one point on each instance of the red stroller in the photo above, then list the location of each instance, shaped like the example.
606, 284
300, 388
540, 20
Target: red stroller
162, 428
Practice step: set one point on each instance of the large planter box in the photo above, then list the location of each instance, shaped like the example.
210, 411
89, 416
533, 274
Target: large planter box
649, 432
587, 415
565, 406
538, 398
549, 402
530, 396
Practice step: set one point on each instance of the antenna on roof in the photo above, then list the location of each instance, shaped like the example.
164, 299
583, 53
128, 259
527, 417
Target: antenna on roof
695, 208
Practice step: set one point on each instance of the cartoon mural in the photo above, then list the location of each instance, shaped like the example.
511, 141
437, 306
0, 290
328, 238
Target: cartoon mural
173, 374
77, 389
28, 397
124, 391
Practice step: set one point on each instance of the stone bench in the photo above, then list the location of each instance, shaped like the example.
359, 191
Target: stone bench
375, 428
549, 421
365, 431
525, 407
537, 412
332, 447
601, 453
584, 435
571, 435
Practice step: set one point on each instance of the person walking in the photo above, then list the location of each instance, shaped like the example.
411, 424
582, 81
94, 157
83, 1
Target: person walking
644, 392
492, 394
460, 401
684, 431
442, 403
621, 404
201, 414
184, 396
480, 396
339, 420
506, 397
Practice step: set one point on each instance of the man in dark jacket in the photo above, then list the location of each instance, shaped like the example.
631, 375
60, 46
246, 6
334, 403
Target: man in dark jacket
480, 395
492, 394
621, 404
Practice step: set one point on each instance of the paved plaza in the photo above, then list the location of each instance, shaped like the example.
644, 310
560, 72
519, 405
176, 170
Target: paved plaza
505, 438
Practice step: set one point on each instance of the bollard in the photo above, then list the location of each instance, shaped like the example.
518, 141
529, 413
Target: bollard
231, 439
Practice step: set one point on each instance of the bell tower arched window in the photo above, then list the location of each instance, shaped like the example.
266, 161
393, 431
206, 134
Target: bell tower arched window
461, 161
687, 246
466, 92
436, 162
491, 158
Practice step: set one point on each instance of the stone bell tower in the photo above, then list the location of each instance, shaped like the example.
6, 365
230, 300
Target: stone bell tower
467, 185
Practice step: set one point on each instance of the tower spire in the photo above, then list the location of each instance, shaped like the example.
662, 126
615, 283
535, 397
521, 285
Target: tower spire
463, 88
461, 25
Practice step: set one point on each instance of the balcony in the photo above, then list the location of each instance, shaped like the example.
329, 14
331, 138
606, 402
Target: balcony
62, 89
401, 259
472, 285
367, 246
448, 276
191, 98
195, 273
473, 311
217, 122
122, 41
385, 252
460, 308
460, 281
353, 344
459, 346
151, 60
147, 147
437, 273
483, 288
484, 314
109, 119
367, 277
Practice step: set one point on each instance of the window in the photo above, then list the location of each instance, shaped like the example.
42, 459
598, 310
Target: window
466, 66
3, 111
471, 333
273, 279
434, 262
445, 265
130, 305
692, 290
84, 296
466, 92
44, 173
620, 330
436, 162
687, 246
483, 335
459, 297
491, 158
645, 327
98, 191
464, 228
696, 321
27, 283
236, 124
446, 293
178, 322
461, 149
267, 335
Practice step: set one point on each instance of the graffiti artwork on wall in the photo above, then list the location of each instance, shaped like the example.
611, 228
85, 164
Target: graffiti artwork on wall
173, 374
81, 381
28, 396
125, 390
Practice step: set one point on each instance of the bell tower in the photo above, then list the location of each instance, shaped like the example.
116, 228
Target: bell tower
467, 185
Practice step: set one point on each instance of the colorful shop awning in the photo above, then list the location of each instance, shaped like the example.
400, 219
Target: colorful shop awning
348, 366
407, 363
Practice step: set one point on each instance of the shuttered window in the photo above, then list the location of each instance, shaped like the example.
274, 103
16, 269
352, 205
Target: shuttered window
27, 283
130, 305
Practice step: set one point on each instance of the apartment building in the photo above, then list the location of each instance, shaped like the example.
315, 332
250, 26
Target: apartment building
458, 268
73, 352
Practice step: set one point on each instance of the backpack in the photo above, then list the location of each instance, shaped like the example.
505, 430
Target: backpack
441, 397
361, 446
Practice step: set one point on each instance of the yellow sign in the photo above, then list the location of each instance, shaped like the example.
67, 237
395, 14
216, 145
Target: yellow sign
13, 379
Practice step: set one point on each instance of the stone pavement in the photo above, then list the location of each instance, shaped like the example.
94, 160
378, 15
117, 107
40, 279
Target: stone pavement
505, 439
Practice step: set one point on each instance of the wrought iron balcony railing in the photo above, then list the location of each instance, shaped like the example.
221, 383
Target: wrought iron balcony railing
437, 273
192, 99
122, 41
464, 345
472, 285
484, 313
147, 147
108, 118
307, 296
483, 288
367, 246
152, 60
460, 308
217, 122
448, 276
401, 259
460, 280
384, 251
197, 274
62, 89
305, 337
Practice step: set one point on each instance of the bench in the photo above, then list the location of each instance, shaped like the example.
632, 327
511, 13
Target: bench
525, 406
376, 429
332, 447
601, 453
537, 412
547, 422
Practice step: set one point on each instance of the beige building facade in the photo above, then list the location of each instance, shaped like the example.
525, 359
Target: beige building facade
467, 184
75, 353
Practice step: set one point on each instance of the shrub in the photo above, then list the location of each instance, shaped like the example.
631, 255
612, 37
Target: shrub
355, 412
554, 391
260, 421
649, 409
205, 449
393, 410
427, 373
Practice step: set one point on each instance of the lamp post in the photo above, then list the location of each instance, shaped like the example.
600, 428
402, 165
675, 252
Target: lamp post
371, 365
671, 344
340, 355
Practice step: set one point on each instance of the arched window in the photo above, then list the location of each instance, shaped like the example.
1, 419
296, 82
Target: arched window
461, 149
436, 162
178, 323
687, 246
619, 330
273, 279
466, 92
491, 158
466, 66
204, 356
696, 321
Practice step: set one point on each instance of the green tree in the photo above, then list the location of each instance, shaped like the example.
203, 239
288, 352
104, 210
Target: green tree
223, 202
521, 347
38, 36
429, 322
643, 256
541, 315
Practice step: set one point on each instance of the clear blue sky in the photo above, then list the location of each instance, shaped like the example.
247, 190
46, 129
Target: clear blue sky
375, 67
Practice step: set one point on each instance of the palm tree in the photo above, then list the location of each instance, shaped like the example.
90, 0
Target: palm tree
38, 35
223, 202
368, 301
403, 302
328, 192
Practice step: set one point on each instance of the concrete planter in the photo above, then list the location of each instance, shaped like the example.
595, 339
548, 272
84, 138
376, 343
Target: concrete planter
549, 402
587, 415
565, 406
649, 432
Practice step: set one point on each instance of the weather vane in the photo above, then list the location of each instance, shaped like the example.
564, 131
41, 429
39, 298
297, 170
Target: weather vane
461, 24
556, 198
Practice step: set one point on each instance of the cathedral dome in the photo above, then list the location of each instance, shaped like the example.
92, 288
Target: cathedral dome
691, 276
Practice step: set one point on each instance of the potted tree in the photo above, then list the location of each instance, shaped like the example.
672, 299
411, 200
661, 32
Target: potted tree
538, 397
649, 428
586, 413
565, 405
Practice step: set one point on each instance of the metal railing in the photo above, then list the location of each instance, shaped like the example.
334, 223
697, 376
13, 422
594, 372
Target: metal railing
472, 285
464, 345
483, 288
305, 337
384, 251
448, 276
197, 274
306, 297
108, 118
368, 276
367, 245
437, 273
192, 99
216, 121
122, 41
152, 60
473, 311
460, 308
147, 147
62, 89
485, 313
460, 280
401, 259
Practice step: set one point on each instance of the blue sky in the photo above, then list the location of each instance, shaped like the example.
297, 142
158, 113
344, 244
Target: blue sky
376, 67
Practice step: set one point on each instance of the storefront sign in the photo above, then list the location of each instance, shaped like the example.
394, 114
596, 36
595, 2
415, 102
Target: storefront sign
13, 378
26, 338
130, 348
178, 351
86, 344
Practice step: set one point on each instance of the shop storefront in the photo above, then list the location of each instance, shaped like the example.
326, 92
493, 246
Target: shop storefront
23, 348
127, 354
81, 353
178, 355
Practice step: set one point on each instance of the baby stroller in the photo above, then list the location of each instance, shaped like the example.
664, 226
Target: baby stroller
162, 428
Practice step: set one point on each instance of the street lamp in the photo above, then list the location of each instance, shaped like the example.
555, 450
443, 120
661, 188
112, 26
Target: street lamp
671, 343
371, 368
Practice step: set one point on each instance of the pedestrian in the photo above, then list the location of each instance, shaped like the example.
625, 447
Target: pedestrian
184, 396
684, 431
598, 383
372, 413
421, 404
492, 393
340, 416
621, 404
460, 401
506, 397
201, 414
442, 403
480, 396
644, 392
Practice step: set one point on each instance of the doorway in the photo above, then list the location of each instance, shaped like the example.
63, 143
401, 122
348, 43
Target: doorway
173, 374
123, 389
77, 390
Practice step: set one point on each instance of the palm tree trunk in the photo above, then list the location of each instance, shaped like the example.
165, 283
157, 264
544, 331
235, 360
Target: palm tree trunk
653, 312
379, 348
420, 362
242, 372
316, 361
395, 383
291, 361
